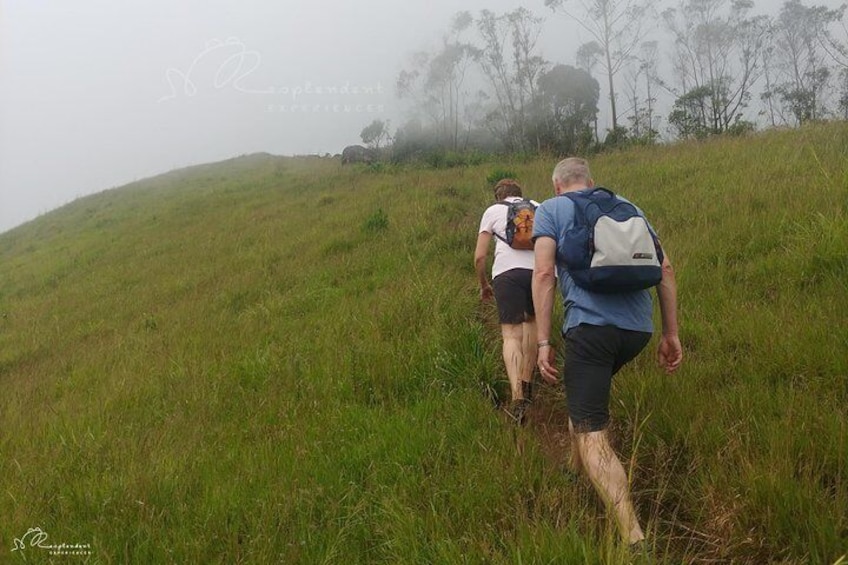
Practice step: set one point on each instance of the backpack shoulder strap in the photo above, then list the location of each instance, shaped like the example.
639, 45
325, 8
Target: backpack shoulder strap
580, 202
496, 234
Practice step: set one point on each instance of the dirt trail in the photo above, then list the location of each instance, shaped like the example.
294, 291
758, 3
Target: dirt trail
548, 420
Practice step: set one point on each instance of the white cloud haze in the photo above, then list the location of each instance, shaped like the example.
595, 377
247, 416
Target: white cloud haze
96, 93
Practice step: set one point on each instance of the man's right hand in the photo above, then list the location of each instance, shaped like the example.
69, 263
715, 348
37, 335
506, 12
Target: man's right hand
486, 293
670, 353
546, 361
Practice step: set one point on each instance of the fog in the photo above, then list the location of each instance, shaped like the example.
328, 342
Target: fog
96, 94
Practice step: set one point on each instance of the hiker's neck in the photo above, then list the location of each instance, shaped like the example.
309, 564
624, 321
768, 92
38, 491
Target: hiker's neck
574, 187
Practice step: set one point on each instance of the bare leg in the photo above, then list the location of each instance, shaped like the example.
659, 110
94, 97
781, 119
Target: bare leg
610, 480
528, 347
513, 357
576, 462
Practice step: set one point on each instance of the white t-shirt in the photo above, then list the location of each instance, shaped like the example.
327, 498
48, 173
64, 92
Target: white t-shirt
506, 258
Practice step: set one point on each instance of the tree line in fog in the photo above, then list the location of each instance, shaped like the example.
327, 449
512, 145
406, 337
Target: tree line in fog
696, 69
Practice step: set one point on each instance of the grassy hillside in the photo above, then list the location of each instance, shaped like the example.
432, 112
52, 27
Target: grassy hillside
283, 360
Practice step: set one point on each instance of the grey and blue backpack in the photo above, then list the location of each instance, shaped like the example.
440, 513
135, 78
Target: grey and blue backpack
610, 248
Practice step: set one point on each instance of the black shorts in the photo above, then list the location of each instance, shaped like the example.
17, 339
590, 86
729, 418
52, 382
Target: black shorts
593, 354
514, 295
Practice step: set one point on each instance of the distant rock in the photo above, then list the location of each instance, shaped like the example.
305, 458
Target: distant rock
357, 154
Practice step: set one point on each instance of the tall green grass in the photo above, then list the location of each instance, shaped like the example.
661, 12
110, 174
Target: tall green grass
283, 360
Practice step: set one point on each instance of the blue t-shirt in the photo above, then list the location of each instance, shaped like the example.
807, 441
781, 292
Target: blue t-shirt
628, 310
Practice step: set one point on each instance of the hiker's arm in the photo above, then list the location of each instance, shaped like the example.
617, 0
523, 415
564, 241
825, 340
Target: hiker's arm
480, 254
544, 290
670, 352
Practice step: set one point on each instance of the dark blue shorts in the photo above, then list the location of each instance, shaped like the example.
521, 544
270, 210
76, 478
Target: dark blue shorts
514, 295
593, 354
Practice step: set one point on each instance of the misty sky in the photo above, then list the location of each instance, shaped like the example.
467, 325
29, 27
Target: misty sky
95, 94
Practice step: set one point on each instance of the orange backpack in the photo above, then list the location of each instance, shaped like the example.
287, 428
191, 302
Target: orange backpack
519, 224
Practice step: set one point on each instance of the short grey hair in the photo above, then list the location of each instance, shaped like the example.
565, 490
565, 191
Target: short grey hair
572, 170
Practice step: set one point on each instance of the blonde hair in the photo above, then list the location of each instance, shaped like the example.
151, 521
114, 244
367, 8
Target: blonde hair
572, 170
506, 188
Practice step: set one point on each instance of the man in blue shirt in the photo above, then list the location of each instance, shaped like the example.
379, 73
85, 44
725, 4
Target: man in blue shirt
601, 333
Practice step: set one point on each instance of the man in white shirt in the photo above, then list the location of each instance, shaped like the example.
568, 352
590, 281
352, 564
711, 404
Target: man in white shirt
511, 286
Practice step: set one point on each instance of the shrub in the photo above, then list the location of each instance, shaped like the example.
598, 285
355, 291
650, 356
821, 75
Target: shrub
376, 222
500, 174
